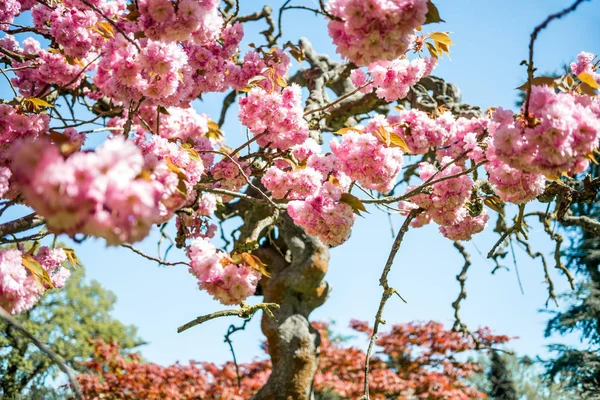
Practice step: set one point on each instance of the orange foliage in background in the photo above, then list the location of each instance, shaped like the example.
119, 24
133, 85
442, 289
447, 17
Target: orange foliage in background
417, 360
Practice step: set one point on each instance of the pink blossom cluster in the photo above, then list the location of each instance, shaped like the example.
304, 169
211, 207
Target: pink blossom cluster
393, 79
226, 281
585, 63
444, 201
512, 185
48, 68
73, 28
323, 215
227, 175
15, 126
366, 159
5, 175
278, 117
156, 73
101, 193
9, 9
175, 168
19, 289
290, 183
467, 227
169, 21
420, 131
180, 125
565, 132
466, 134
211, 67
303, 151
373, 30
271, 67
330, 167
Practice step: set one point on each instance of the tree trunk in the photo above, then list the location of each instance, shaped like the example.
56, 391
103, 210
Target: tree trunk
297, 263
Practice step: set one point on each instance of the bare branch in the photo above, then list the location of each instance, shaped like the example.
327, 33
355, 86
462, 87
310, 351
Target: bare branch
534, 36
462, 279
243, 312
149, 257
387, 293
22, 224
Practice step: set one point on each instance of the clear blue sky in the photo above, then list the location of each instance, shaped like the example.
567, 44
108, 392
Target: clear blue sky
491, 40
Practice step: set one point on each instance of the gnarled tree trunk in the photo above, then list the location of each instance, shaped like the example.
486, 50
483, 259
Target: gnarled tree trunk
297, 263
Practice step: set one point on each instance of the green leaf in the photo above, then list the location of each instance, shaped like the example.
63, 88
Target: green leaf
433, 15
163, 110
354, 202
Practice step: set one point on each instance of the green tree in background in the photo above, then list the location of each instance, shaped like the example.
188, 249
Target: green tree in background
501, 379
65, 320
527, 377
575, 367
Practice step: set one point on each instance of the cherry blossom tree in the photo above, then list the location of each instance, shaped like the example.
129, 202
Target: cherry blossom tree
393, 137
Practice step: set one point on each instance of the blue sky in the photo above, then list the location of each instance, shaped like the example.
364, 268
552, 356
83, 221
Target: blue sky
491, 40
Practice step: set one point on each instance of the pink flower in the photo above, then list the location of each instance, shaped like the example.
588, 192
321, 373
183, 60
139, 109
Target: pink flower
323, 215
372, 30
277, 116
364, 158
228, 282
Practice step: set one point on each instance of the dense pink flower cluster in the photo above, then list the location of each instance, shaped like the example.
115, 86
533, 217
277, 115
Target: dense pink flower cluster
19, 289
330, 167
278, 116
227, 175
444, 202
366, 159
5, 175
466, 228
585, 63
291, 183
512, 185
420, 131
303, 151
101, 193
566, 131
74, 28
156, 73
393, 79
178, 175
466, 134
9, 9
34, 77
373, 30
323, 215
210, 65
226, 281
196, 20
15, 126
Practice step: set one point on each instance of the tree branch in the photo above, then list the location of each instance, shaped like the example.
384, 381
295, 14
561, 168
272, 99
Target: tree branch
9, 319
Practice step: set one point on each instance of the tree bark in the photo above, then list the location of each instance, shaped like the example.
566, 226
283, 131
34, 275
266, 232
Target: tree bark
297, 263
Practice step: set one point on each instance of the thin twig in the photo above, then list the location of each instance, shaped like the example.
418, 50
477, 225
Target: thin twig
534, 36
387, 293
462, 279
230, 331
243, 312
149, 257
